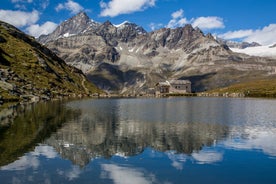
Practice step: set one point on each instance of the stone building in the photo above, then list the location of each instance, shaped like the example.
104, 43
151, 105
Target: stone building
174, 86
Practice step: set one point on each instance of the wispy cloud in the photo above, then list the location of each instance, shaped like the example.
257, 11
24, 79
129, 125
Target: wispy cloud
71, 6
116, 7
21, 1
44, 4
31, 4
23, 163
178, 160
21, 4
261, 139
264, 36
36, 30
205, 23
19, 18
130, 175
178, 19
236, 34
72, 173
207, 157
154, 26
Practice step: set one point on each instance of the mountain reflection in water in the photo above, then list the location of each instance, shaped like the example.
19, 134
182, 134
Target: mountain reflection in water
82, 130
87, 139
107, 138
23, 127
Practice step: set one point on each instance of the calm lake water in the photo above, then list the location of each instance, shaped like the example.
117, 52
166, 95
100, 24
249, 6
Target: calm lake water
166, 140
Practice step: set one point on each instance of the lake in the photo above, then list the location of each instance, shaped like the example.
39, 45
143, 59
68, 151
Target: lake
140, 140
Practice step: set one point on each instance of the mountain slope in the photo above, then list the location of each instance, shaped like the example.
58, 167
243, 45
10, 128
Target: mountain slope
257, 88
108, 53
30, 70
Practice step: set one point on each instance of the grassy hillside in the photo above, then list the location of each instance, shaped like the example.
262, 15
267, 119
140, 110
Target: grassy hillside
256, 88
28, 69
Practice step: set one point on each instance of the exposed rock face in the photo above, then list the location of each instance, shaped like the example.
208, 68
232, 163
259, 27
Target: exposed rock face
73, 26
30, 71
239, 45
181, 53
273, 46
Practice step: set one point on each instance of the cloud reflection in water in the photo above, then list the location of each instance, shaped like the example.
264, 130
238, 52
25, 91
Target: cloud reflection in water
125, 175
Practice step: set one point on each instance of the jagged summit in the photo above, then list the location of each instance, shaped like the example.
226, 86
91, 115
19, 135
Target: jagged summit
82, 24
73, 26
126, 59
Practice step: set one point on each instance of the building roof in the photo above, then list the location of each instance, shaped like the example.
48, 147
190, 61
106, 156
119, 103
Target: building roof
163, 83
177, 82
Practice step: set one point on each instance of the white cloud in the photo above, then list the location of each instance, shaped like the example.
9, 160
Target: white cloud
21, 1
36, 30
264, 36
154, 26
44, 4
263, 51
30, 160
123, 175
208, 23
178, 160
257, 138
70, 5
177, 14
178, 20
207, 157
19, 18
20, 6
23, 4
116, 7
47, 151
236, 34
73, 173
23, 163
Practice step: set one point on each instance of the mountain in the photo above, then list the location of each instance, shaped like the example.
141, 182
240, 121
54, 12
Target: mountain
126, 59
30, 71
238, 45
75, 25
273, 46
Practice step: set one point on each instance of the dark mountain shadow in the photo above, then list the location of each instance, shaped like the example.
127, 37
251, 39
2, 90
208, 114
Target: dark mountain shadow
3, 60
199, 81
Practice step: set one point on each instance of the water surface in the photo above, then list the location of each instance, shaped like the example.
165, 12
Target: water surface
167, 140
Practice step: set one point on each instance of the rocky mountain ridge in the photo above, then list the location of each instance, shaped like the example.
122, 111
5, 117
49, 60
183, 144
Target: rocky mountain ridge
235, 44
127, 59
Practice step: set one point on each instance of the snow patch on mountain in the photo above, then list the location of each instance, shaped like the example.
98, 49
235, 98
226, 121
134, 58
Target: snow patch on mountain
122, 24
263, 51
66, 35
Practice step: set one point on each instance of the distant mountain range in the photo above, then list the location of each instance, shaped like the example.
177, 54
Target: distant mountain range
126, 59
253, 49
239, 45
31, 72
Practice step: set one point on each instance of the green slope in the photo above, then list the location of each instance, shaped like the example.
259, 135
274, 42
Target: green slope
29, 69
256, 88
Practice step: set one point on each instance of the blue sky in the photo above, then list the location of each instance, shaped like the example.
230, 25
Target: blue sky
243, 20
